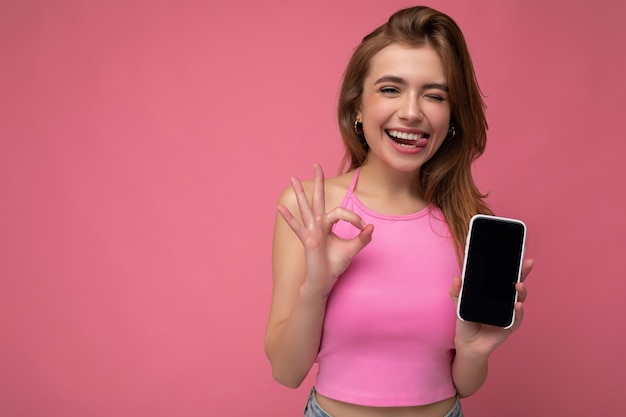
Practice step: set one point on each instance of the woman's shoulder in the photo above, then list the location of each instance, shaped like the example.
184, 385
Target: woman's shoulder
335, 189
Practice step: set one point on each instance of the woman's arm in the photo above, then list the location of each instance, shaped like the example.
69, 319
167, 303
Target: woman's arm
294, 328
307, 258
475, 342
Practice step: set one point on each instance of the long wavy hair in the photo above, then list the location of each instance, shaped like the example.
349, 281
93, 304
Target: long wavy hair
446, 179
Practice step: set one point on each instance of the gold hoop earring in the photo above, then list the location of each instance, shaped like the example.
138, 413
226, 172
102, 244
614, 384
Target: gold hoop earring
358, 130
451, 131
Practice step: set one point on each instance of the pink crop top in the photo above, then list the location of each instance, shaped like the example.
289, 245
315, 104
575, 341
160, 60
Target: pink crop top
388, 337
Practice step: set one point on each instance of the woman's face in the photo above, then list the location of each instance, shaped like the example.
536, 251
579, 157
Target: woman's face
404, 108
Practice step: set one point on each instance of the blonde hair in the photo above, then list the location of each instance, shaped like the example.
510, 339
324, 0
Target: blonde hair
446, 179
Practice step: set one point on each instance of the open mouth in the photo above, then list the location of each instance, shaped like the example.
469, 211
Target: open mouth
408, 140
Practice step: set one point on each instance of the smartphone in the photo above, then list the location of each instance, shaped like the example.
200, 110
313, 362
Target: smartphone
494, 251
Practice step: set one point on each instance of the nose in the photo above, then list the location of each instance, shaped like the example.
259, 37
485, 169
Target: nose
410, 108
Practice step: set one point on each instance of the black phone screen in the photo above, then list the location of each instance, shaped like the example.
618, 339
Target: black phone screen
492, 265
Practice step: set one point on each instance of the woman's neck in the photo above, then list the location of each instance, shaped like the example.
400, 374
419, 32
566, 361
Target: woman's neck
388, 182
388, 190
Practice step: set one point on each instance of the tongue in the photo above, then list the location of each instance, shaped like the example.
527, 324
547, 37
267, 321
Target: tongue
418, 142
405, 141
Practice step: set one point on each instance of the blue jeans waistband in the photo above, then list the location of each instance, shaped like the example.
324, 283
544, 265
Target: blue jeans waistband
313, 409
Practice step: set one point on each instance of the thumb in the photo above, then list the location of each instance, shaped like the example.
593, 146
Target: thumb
363, 239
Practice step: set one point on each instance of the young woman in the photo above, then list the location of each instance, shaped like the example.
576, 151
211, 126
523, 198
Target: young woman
366, 264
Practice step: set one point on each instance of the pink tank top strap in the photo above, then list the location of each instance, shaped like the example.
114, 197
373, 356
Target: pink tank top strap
355, 178
351, 188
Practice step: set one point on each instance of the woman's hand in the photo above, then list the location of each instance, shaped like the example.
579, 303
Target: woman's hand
482, 339
327, 255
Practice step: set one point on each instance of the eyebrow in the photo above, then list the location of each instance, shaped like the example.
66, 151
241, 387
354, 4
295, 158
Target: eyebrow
402, 81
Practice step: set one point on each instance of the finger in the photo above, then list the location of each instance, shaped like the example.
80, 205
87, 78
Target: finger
522, 292
356, 244
519, 316
342, 213
364, 237
303, 202
319, 204
455, 289
293, 223
527, 266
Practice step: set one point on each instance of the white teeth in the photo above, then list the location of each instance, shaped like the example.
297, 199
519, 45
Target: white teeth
404, 135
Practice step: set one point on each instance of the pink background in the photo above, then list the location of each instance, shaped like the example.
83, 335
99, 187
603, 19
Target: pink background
143, 146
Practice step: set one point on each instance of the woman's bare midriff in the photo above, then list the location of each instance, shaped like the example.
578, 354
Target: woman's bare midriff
341, 409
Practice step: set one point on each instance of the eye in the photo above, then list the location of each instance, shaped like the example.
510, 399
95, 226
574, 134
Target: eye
389, 90
436, 97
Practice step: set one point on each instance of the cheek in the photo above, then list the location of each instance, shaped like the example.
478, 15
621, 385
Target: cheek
437, 111
440, 118
375, 107
438, 144
374, 120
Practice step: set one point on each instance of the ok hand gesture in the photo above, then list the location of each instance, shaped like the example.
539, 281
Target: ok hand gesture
327, 255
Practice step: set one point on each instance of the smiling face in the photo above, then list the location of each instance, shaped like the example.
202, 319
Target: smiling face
404, 107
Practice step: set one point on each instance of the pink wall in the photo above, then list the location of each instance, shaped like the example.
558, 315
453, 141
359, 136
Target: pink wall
143, 146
